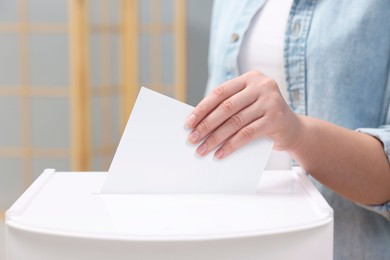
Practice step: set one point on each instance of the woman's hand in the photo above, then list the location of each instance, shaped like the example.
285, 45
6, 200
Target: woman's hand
241, 110
251, 106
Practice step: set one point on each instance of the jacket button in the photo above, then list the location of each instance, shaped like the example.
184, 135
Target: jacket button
235, 37
296, 28
296, 97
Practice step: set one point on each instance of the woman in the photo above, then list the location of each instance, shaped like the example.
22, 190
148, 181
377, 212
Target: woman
325, 73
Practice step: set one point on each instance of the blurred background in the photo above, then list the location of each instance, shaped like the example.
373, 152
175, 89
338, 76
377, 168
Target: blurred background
70, 71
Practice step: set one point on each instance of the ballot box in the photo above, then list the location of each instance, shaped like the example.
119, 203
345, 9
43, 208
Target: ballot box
63, 215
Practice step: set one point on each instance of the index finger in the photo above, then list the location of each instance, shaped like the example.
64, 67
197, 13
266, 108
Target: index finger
216, 97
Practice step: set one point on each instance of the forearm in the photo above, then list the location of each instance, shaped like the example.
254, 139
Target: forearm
351, 163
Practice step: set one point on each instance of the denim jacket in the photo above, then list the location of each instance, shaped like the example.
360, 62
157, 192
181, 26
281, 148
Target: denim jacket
337, 55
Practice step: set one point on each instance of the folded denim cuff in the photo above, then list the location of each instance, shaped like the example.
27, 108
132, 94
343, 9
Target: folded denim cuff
382, 134
383, 209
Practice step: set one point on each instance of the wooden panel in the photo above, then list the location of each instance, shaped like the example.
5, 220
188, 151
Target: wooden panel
80, 97
180, 50
129, 22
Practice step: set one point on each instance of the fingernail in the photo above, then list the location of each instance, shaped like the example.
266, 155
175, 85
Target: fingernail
219, 154
202, 150
190, 120
193, 137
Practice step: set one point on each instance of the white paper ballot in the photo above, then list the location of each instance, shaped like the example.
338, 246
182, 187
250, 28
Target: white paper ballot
154, 155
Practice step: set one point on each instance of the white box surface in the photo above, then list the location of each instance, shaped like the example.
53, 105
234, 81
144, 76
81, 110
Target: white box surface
63, 216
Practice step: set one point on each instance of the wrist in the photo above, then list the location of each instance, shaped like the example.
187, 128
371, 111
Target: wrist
302, 131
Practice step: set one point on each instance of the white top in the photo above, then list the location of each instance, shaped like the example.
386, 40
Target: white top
69, 204
263, 43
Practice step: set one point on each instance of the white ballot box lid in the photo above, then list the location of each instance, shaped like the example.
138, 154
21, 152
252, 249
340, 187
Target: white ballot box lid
70, 204
64, 216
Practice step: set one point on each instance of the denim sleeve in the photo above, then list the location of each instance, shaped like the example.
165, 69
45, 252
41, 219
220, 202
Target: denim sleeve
382, 134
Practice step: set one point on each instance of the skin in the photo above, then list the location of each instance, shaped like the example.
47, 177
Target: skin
251, 106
